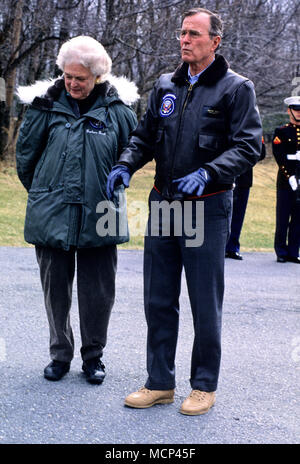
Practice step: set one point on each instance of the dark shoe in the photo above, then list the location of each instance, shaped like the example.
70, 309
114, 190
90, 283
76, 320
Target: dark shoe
233, 255
56, 370
94, 370
293, 259
280, 259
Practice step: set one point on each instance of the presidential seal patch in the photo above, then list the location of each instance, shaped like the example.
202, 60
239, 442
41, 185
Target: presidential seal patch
168, 105
99, 125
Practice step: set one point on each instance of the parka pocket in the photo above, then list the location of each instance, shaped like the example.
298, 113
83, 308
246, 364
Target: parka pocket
47, 218
49, 172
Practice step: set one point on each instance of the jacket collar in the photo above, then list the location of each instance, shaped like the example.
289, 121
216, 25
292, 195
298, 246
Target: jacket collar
45, 93
209, 77
56, 96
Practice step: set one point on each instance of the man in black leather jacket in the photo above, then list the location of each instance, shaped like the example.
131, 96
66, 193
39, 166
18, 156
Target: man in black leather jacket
203, 129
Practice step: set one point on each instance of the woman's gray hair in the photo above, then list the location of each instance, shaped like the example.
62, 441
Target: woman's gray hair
88, 52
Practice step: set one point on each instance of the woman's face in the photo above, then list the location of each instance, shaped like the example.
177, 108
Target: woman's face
79, 81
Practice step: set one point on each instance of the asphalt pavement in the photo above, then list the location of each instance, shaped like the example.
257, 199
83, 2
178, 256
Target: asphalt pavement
258, 394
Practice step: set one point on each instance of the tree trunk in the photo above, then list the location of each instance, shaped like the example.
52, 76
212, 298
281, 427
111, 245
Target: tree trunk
7, 128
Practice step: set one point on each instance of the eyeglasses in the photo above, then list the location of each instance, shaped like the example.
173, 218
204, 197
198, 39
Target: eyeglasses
181, 33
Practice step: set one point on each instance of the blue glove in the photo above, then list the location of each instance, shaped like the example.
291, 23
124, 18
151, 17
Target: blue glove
119, 174
193, 183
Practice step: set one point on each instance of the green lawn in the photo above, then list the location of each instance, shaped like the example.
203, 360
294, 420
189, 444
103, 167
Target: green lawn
12, 209
259, 226
257, 234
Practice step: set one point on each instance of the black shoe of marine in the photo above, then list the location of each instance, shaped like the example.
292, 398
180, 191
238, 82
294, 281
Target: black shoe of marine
56, 370
94, 370
293, 259
233, 255
281, 259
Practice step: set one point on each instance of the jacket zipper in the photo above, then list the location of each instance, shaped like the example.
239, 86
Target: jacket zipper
186, 100
179, 126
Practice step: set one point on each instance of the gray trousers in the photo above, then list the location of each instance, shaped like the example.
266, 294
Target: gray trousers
96, 270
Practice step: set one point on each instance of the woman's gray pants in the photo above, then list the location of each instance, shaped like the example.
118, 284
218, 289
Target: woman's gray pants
96, 270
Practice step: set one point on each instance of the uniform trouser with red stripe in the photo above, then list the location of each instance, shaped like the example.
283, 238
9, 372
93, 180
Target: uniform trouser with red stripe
164, 259
96, 269
287, 234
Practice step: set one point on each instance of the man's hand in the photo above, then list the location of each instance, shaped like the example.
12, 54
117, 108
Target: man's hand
120, 174
193, 183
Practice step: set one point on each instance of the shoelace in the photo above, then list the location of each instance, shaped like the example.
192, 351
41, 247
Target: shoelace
144, 390
198, 395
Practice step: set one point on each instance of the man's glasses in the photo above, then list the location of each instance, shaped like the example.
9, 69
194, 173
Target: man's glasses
181, 33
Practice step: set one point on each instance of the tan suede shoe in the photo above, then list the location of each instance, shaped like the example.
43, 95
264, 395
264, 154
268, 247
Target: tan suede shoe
198, 402
145, 398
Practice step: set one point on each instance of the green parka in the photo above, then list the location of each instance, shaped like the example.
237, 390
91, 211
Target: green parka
63, 160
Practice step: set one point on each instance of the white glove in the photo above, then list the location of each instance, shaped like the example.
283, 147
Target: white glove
293, 182
296, 156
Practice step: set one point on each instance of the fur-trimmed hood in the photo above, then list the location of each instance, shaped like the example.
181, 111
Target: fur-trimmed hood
126, 90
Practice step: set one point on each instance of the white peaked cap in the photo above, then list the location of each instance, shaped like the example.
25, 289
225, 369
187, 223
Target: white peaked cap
295, 100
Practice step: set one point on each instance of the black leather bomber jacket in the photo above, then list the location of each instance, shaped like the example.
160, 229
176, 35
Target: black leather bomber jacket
213, 124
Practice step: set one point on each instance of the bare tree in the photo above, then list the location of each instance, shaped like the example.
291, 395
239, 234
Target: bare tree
261, 41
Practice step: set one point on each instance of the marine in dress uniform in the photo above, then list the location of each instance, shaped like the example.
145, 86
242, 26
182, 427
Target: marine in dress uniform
286, 150
241, 193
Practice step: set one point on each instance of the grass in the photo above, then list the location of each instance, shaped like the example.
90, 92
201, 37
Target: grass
257, 233
13, 198
259, 225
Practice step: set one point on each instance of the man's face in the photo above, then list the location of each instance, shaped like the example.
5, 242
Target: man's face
197, 48
294, 116
79, 80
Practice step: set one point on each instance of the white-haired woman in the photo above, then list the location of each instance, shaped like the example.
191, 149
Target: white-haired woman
71, 136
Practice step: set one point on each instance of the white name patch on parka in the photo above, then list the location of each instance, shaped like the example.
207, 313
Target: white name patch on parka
89, 131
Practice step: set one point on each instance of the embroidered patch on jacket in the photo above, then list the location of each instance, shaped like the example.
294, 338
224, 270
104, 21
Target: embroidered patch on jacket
99, 125
168, 105
212, 112
277, 140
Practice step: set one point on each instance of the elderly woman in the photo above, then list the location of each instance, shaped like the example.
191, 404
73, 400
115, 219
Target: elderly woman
70, 138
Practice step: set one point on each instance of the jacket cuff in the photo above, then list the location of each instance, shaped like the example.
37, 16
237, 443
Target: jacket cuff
123, 163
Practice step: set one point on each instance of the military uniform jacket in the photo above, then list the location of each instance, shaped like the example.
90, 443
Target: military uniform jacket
213, 124
286, 140
63, 160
